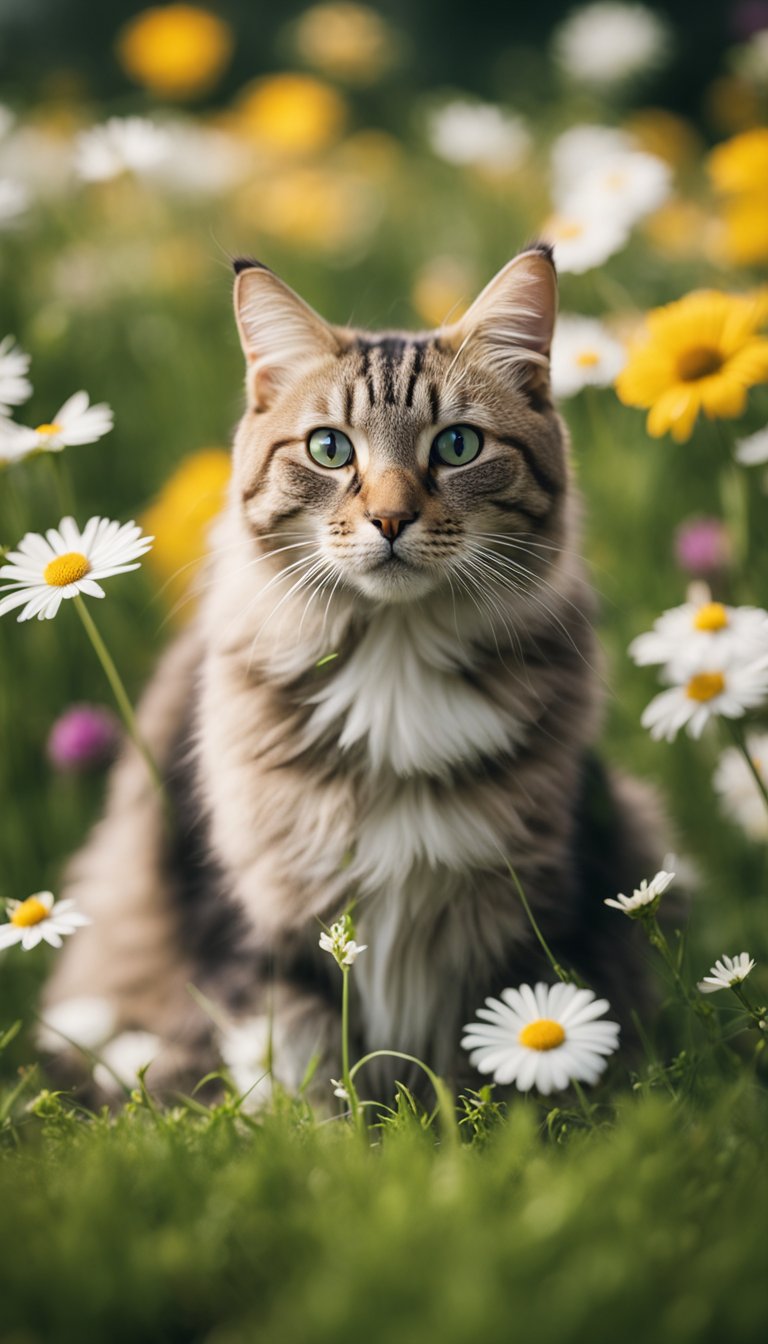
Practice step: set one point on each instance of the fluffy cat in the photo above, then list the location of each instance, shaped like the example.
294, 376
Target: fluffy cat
390, 691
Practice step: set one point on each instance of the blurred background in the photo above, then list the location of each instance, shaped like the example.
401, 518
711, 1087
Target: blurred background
385, 159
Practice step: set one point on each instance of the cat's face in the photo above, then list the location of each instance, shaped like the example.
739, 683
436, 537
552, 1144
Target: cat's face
399, 464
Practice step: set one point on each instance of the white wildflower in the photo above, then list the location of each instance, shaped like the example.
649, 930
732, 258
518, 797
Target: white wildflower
40, 918
478, 133
740, 797
645, 898
726, 973
607, 43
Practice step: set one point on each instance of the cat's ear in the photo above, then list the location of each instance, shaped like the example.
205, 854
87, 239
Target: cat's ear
509, 326
279, 332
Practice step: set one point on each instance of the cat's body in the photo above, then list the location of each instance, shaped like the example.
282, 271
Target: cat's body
389, 697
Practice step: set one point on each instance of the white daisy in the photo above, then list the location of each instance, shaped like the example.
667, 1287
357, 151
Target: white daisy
14, 199
702, 634
121, 144
645, 898
582, 241
580, 149
625, 186
727, 973
605, 44
478, 133
340, 943
65, 562
40, 918
75, 423
86, 1021
729, 692
584, 354
543, 1037
753, 450
121, 1059
740, 798
15, 387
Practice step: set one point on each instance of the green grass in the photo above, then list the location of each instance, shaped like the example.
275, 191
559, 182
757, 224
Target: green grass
178, 1229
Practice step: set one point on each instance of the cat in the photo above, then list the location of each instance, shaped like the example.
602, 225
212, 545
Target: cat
390, 694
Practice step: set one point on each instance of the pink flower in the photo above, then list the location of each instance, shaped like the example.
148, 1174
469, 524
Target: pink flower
702, 546
83, 737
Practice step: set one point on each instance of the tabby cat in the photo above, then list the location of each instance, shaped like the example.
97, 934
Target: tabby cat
390, 693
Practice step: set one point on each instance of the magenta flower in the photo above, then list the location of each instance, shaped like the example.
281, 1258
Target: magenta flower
702, 546
83, 737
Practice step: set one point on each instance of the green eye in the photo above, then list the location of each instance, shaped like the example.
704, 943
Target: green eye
457, 445
330, 448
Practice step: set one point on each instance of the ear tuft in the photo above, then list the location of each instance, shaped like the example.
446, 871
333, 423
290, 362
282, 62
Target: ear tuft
247, 264
279, 333
509, 326
544, 249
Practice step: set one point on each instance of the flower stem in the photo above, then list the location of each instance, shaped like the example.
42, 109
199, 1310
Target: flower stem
444, 1098
556, 967
586, 1106
737, 734
354, 1103
701, 1010
120, 694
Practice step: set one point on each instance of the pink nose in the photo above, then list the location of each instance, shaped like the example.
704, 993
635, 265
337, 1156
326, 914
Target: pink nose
391, 524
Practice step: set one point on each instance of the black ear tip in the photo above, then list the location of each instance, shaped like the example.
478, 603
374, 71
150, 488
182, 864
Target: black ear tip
543, 249
247, 264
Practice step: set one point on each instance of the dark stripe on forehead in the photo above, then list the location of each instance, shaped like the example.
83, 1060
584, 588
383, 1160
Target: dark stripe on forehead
365, 373
416, 366
434, 403
540, 476
349, 396
391, 354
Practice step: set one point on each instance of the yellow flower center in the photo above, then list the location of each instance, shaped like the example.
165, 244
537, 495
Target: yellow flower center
32, 911
712, 616
565, 229
698, 362
54, 428
705, 686
66, 569
587, 359
543, 1034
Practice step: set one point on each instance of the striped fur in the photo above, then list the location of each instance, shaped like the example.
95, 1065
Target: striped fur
360, 719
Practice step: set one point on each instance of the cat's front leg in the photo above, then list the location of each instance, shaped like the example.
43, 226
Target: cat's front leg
287, 1039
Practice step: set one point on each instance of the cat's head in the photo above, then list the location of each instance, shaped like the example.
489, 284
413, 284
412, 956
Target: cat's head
401, 461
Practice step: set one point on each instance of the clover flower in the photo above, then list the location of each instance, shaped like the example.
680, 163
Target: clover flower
645, 899
82, 737
40, 918
726, 973
544, 1037
67, 562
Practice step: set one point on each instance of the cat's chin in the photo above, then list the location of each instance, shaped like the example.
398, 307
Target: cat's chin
393, 582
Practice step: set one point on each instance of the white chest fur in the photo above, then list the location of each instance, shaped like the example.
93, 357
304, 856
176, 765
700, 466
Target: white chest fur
402, 693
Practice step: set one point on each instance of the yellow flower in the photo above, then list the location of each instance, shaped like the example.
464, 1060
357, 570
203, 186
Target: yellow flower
291, 114
311, 207
346, 41
441, 291
741, 164
187, 503
744, 238
659, 132
680, 228
699, 354
176, 51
